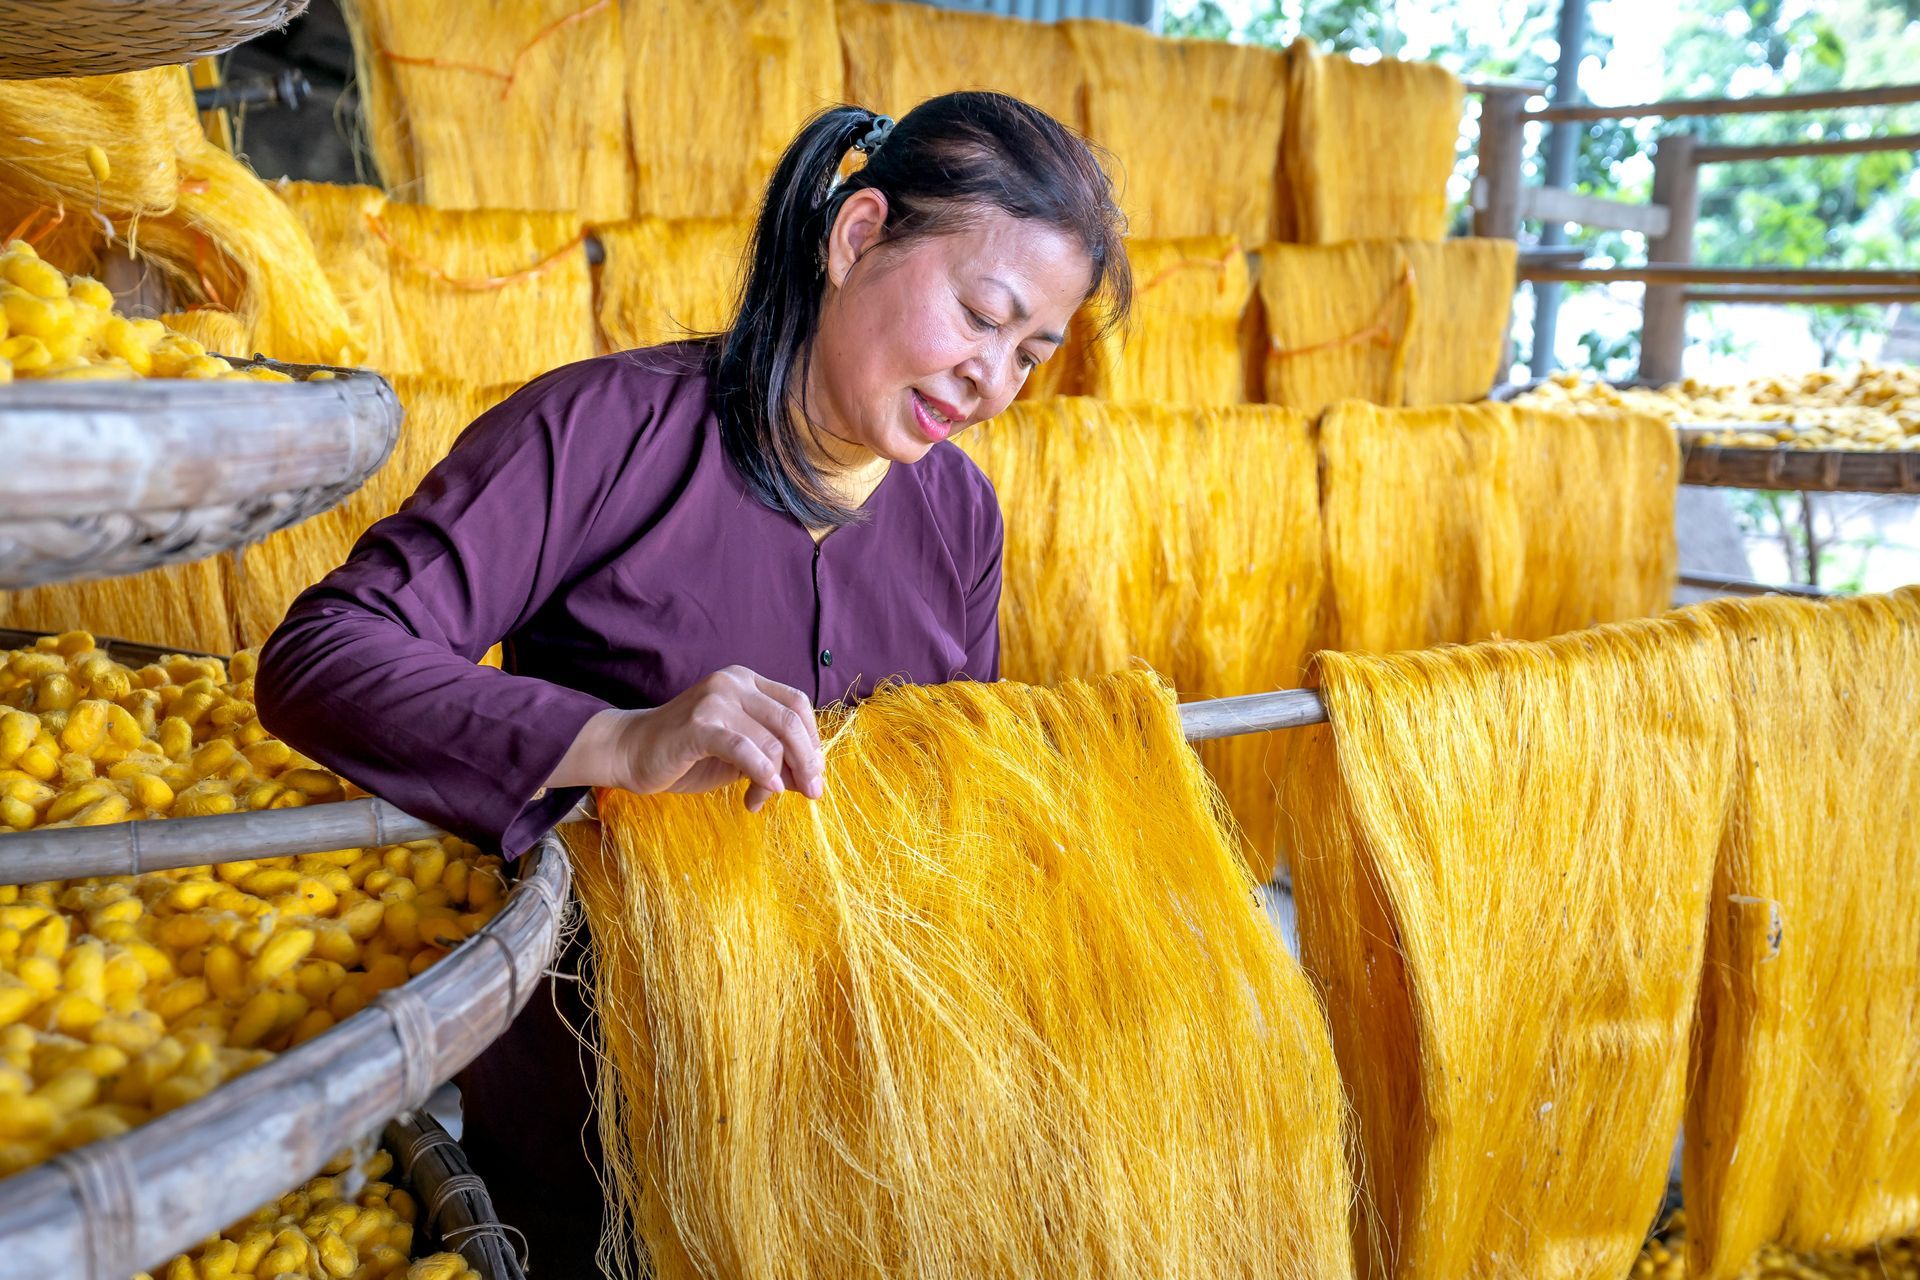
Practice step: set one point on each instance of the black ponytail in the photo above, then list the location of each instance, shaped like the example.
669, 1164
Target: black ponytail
945, 161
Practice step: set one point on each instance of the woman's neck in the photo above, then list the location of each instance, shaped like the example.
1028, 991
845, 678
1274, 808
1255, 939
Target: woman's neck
852, 472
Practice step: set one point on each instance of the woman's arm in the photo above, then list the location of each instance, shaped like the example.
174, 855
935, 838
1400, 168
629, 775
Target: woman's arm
374, 670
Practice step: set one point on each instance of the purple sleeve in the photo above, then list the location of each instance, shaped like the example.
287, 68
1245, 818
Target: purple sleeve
983, 601
373, 671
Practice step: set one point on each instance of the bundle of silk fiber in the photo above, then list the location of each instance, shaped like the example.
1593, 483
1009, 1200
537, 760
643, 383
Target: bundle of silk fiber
140, 122
481, 295
1182, 343
1001, 1003
181, 606
1339, 320
1454, 347
1804, 1124
1502, 876
899, 55
339, 220
1424, 543
1593, 494
1184, 540
497, 106
1195, 127
1368, 149
701, 154
231, 244
664, 279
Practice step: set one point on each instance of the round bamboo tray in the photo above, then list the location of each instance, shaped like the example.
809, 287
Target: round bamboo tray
1741, 467
1807, 470
455, 1206
107, 478
98, 37
132, 653
107, 1210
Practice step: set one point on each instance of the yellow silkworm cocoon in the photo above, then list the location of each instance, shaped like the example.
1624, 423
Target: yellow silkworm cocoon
281, 954
439, 1266
17, 731
37, 277
111, 808
151, 792
85, 289
86, 728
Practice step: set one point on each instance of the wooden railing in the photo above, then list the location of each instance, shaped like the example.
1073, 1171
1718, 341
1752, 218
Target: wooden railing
1501, 202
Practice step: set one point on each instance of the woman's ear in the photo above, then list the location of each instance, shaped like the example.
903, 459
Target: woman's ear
861, 224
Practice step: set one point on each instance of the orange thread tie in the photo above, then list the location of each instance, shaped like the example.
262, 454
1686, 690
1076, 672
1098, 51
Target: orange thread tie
443, 64
201, 247
512, 73
474, 284
24, 232
59, 216
1220, 264
195, 186
552, 28
1378, 332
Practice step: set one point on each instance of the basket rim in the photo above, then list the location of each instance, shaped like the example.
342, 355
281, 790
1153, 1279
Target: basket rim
102, 37
151, 472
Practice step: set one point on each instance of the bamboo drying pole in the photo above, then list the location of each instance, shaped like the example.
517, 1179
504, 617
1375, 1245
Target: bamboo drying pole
129, 848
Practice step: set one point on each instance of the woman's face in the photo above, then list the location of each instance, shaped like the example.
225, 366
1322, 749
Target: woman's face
920, 340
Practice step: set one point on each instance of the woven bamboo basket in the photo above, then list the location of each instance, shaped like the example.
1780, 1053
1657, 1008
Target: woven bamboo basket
107, 1210
106, 478
455, 1206
98, 37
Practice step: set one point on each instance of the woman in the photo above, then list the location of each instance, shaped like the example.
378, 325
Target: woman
686, 549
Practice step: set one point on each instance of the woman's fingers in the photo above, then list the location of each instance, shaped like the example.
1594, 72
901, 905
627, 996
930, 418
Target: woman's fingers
794, 700
753, 758
797, 735
733, 724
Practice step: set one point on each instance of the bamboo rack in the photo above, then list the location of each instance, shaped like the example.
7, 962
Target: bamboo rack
129, 848
454, 1204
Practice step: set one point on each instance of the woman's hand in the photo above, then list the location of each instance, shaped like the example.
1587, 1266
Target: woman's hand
731, 725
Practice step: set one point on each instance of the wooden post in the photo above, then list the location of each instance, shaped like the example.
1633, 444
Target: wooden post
1496, 188
1663, 328
1502, 151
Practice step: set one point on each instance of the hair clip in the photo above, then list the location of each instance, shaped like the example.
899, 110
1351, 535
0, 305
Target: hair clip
871, 140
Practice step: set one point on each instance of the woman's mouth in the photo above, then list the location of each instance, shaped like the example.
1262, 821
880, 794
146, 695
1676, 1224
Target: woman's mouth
934, 424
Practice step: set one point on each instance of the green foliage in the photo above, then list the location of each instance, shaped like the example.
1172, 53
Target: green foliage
1859, 210
1342, 25
1611, 355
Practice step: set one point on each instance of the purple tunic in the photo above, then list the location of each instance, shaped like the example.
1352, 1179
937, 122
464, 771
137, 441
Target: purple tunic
593, 523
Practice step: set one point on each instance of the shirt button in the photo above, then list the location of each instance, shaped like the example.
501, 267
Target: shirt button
826, 657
